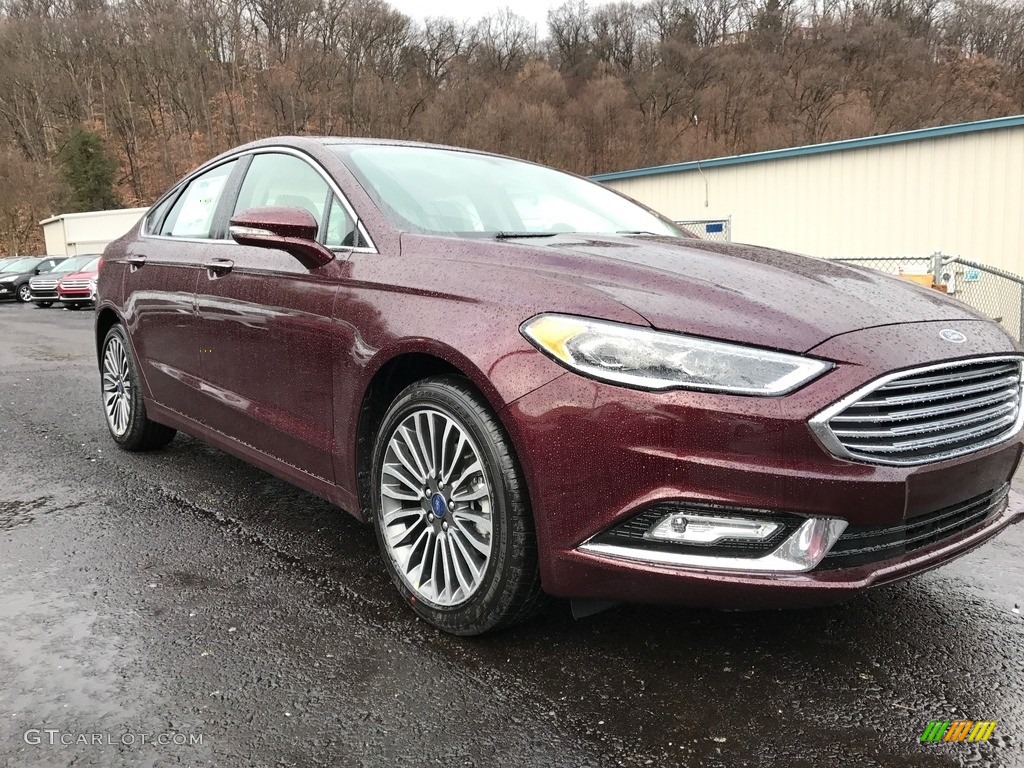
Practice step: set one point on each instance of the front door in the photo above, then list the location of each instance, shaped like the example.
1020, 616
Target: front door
268, 343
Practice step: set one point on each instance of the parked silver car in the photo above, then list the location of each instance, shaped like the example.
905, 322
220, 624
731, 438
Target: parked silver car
43, 288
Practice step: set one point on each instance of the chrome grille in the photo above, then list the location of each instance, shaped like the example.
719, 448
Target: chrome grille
927, 414
74, 284
42, 284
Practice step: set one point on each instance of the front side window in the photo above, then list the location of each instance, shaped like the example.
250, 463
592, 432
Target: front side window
435, 191
193, 211
275, 179
341, 229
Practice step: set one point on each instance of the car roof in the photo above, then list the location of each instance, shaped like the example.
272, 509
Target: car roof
314, 143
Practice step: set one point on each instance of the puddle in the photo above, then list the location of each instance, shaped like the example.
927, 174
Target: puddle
14, 514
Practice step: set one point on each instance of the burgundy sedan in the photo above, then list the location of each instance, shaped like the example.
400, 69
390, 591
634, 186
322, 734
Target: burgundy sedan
532, 385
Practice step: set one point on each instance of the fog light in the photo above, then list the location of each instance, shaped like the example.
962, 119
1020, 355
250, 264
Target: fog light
691, 528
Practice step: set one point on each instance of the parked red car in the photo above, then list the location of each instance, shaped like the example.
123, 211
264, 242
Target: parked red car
530, 384
79, 288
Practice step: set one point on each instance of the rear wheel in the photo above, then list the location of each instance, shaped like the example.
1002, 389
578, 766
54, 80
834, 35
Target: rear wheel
451, 511
24, 293
122, 398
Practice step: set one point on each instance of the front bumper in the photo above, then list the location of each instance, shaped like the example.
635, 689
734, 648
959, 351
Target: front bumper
596, 455
593, 576
40, 295
7, 291
76, 296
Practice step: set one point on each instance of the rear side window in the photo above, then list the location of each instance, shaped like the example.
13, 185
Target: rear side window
193, 211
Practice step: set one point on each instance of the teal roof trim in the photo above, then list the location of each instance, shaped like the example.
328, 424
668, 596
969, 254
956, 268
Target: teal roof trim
1015, 121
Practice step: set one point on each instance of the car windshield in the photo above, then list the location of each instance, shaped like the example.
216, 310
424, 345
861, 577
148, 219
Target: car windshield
91, 266
438, 191
21, 265
72, 265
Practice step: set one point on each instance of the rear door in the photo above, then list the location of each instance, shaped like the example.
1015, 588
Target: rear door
267, 341
163, 267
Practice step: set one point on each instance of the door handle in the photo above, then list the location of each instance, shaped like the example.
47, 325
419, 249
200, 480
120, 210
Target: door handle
136, 261
219, 266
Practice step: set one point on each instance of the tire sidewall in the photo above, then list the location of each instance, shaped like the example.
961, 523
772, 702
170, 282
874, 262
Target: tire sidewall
23, 293
474, 615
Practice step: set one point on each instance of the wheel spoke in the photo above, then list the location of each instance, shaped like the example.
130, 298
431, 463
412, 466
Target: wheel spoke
468, 472
391, 493
424, 451
453, 462
435, 568
401, 514
413, 451
480, 492
459, 559
395, 472
477, 518
432, 440
484, 548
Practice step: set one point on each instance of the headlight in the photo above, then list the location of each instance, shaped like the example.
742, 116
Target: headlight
649, 359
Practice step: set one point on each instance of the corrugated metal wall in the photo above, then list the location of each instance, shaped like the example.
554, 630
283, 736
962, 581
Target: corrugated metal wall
962, 195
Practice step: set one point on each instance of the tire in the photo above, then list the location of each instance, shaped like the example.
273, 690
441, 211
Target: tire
121, 395
44, 304
473, 534
24, 294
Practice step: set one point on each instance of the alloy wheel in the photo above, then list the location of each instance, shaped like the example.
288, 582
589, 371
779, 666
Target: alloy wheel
24, 293
436, 508
117, 387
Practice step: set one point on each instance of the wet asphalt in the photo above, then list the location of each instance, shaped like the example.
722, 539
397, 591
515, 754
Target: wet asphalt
187, 597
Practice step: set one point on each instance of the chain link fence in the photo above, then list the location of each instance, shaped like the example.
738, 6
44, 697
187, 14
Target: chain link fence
718, 230
993, 292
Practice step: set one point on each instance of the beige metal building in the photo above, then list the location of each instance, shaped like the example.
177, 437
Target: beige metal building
958, 189
73, 234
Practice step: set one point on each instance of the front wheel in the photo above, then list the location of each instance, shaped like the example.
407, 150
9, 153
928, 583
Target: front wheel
24, 293
122, 398
44, 304
451, 511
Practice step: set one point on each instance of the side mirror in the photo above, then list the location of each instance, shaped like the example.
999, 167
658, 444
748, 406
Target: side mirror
290, 229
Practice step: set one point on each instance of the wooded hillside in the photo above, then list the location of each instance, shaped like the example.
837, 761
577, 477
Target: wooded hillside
133, 93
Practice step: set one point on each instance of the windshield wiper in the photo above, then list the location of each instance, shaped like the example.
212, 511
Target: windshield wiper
514, 235
633, 232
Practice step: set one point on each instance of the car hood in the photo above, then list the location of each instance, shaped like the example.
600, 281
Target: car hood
728, 291
80, 276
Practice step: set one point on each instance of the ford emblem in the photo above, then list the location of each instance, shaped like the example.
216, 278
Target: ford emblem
948, 334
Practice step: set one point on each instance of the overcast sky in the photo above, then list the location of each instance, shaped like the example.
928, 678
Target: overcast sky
535, 11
